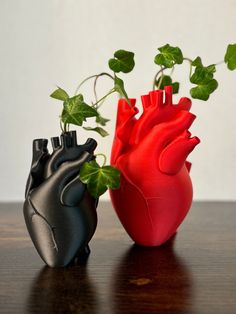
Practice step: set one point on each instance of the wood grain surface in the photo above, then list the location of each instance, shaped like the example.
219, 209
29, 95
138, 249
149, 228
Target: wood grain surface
195, 272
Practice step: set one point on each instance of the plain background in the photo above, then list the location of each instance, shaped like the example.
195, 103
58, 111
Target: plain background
50, 42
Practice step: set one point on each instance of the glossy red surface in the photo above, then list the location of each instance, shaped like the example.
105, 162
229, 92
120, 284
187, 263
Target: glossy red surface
156, 189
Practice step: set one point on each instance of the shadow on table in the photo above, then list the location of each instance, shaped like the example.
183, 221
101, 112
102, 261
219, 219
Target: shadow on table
62, 290
151, 280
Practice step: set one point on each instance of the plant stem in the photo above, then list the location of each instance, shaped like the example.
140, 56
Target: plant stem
65, 127
94, 88
103, 98
188, 59
90, 77
85, 80
61, 126
220, 62
155, 77
172, 71
191, 67
159, 84
105, 158
95, 82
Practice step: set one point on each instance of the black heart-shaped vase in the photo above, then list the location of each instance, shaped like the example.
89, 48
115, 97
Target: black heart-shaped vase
59, 212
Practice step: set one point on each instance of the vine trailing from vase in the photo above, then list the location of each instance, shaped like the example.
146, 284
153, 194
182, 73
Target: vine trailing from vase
76, 110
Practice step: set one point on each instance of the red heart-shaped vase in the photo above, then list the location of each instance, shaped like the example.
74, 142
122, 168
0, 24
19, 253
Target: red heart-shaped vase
156, 190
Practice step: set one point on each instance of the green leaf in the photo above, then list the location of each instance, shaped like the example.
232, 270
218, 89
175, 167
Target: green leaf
211, 68
167, 81
99, 179
97, 129
175, 87
76, 111
119, 87
202, 75
169, 56
203, 92
197, 62
60, 94
101, 120
230, 57
123, 61
70, 116
78, 98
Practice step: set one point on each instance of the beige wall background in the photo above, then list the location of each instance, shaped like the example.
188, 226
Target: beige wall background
50, 42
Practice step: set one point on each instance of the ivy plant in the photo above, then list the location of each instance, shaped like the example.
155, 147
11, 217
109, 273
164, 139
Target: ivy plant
202, 77
76, 110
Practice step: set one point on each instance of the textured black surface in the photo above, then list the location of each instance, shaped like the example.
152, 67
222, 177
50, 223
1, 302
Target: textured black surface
59, 212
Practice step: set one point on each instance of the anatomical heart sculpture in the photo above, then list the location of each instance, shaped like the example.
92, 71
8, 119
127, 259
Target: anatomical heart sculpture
59, 212
148, 177
156, 189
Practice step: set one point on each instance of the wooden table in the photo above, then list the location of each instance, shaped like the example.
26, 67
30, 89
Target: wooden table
193, 273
